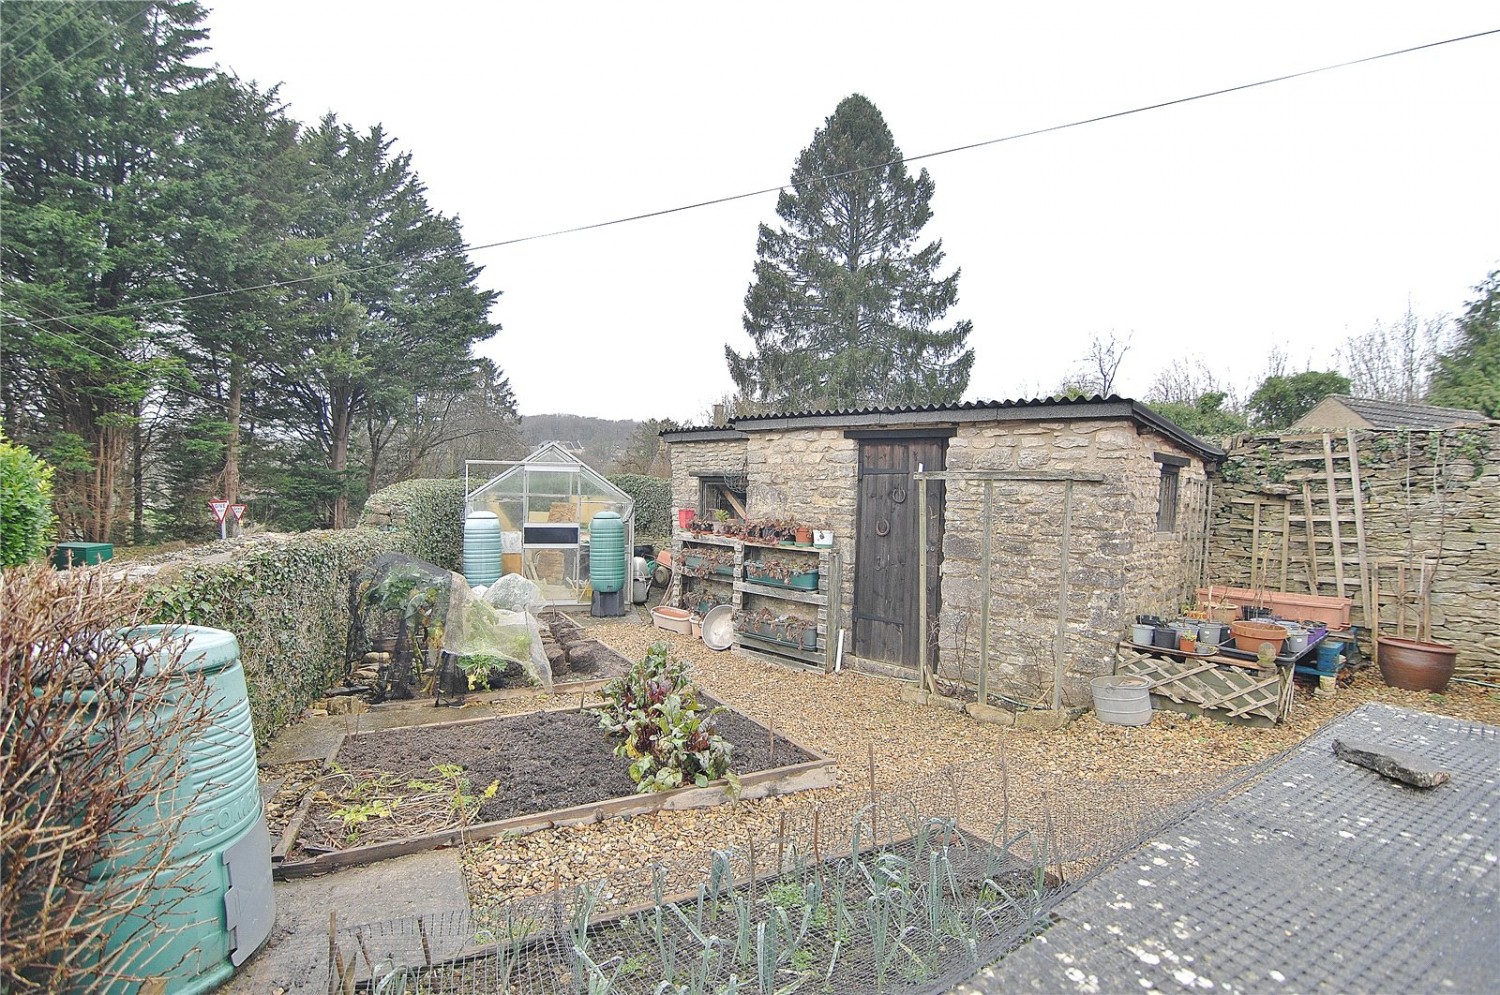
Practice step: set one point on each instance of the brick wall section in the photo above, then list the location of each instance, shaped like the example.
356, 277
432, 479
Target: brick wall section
1120, 564
1425, 494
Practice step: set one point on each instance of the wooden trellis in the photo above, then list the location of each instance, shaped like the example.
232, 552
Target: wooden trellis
1211, 684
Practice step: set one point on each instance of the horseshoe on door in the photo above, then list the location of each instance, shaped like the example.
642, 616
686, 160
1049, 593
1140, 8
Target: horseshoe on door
898, 495
882, 528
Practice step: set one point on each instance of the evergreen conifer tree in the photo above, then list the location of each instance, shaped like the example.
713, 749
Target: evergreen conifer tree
842, 308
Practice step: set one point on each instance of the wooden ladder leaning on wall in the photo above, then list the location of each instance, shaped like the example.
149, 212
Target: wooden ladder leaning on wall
1333, 522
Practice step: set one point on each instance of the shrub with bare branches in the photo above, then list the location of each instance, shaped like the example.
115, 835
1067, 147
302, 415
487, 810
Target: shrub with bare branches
92, 729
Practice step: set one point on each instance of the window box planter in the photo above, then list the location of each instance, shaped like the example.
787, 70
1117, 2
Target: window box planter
805, 580
696, 565
795, 633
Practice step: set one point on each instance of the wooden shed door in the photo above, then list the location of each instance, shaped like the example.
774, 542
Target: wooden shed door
886, 624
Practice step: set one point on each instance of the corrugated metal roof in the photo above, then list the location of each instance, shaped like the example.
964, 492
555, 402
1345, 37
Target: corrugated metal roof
1112, 406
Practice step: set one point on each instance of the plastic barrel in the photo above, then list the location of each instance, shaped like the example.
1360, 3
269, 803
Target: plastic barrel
607, 552
1122, 700
211, 904
482, 548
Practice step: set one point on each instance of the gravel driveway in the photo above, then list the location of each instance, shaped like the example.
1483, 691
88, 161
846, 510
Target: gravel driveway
1095, 787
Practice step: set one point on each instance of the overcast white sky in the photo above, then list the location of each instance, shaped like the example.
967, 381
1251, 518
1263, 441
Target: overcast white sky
1291, 215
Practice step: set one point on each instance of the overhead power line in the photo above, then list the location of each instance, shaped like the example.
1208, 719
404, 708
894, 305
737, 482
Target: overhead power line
696, 205
109, 30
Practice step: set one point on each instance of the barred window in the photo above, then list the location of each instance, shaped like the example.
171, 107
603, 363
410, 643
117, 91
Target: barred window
1166, 495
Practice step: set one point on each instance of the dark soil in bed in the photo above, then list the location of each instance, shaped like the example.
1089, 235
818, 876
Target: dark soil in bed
542, 760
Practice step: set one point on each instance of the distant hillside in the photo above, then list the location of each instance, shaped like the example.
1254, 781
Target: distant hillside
601, 440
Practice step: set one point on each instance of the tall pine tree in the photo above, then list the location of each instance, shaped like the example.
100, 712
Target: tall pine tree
843, 305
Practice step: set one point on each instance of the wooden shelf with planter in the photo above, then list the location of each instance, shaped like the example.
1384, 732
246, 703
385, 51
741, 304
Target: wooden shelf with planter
797, 580
692, 592
787, 590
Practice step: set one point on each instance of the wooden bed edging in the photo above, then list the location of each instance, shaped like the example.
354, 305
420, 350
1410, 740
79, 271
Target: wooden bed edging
808, 775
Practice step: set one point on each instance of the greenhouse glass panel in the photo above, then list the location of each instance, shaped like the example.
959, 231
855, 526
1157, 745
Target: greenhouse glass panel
545, 504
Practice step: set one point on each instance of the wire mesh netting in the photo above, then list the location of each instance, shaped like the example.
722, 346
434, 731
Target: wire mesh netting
908, 890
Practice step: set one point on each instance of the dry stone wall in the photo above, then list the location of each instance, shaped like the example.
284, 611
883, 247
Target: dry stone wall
1426, 495
1119, 565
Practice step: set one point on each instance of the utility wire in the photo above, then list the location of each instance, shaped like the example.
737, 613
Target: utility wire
70, 18
109, 30
1081, 122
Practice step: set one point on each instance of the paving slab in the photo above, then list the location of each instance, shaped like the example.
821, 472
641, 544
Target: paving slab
295, 958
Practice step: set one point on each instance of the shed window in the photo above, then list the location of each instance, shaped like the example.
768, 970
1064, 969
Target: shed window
722, 493
1166, 495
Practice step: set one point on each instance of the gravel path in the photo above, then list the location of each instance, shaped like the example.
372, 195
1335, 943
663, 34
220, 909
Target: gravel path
1097, 784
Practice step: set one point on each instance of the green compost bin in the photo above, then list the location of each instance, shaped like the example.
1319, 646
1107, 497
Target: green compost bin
77, 554
210, 903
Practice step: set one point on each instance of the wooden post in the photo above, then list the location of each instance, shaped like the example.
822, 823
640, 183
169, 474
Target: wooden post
1359, 521
1333, 514
923, 678
1401, 600
1060, 642
1286, 536
1255, 584
984, 604
1312, 545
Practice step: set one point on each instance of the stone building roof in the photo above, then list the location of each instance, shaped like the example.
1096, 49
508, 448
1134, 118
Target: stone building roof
1342, 411
1035, 409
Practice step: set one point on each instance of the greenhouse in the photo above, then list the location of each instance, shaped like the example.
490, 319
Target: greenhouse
545, 504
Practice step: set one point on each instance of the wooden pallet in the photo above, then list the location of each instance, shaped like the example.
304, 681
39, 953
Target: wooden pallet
1218, 687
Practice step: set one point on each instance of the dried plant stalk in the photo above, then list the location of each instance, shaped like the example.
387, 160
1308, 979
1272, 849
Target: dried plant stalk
91, 744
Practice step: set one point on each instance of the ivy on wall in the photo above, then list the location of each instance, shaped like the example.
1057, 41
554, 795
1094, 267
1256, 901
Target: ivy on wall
285, 597
428, 513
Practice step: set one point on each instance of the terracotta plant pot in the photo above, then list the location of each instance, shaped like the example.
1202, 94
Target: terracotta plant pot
1248, 636
804, 535
1414, 666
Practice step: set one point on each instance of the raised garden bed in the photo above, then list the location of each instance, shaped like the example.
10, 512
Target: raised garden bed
398, 791
916, 913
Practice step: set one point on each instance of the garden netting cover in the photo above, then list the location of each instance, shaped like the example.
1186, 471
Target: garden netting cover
404, 612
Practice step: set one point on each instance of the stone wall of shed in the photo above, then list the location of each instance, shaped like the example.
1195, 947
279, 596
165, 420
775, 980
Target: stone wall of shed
811, 475
1119, 564
1429, 495
690, 460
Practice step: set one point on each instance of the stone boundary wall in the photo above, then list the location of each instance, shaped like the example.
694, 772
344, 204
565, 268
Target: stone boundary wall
1432, 495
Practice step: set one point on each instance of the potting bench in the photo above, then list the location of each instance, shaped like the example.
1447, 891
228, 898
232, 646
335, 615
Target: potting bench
1220, 685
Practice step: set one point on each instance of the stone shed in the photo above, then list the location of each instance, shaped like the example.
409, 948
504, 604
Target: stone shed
1105, 485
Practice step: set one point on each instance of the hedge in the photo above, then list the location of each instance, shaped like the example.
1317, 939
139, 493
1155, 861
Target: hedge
25, 505
285, 597
653, 502
430, 515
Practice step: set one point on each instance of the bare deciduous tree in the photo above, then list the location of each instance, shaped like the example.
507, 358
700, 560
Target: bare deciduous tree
1099, 368
1183, 381
1394, 362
